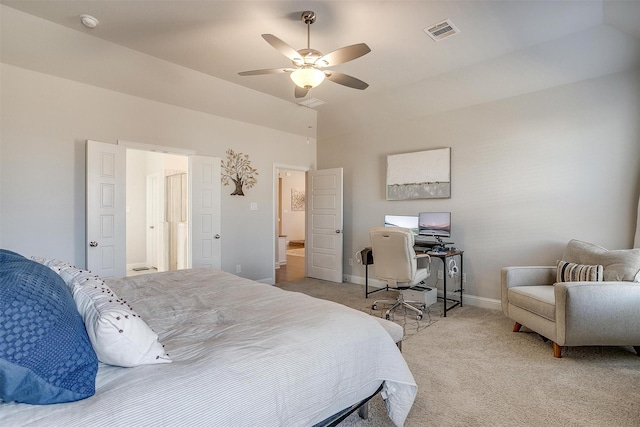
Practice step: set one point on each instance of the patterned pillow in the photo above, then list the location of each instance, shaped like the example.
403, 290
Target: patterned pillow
619, 264
119, 335
45, 353
571, 272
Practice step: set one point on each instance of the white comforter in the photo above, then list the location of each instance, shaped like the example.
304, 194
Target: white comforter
244, 354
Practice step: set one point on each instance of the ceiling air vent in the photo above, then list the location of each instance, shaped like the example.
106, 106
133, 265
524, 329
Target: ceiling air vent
311, 102
442, 30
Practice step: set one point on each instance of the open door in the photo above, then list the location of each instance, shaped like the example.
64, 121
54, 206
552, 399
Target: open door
105, 200
106, 210
204, 180
324, 224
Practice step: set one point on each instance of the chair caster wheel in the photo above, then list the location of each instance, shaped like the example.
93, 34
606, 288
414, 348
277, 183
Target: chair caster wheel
419, 317
387, 317
374, 307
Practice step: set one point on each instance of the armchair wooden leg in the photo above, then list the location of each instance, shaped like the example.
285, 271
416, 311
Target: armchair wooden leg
516, 327
557, 351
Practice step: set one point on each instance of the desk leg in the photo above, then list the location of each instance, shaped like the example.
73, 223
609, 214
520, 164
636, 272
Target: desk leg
444, 285
366, 280
461, 276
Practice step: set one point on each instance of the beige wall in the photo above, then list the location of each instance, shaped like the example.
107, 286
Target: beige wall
528, 174
45, 123
52, 101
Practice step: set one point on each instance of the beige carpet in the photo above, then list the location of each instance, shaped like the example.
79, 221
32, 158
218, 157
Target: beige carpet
471, 370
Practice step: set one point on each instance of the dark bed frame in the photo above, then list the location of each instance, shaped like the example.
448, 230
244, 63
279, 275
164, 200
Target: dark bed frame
362, 407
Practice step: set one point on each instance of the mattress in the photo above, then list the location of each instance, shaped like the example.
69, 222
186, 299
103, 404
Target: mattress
244, 354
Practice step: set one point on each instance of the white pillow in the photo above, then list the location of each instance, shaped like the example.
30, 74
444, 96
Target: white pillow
118, 334
69, 273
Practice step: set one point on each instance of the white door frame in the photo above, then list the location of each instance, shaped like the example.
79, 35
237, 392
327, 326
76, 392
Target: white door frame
276, 234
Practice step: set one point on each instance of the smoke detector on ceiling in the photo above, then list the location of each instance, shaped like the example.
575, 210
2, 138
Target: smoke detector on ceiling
442, 30
89, 21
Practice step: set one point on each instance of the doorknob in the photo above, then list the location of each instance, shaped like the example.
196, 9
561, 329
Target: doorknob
151, 227
93, 244
217, 236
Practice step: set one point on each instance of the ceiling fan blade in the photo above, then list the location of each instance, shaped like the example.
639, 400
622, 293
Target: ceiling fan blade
266, 71
283, 48
344, 54
301, 92
346, 80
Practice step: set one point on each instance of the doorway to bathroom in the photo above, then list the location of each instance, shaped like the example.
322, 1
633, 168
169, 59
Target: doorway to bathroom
157, 226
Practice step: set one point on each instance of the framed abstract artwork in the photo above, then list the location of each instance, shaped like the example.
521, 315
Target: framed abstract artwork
419, 175
297, 200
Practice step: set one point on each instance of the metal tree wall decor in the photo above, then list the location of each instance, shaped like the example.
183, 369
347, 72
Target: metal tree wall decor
237, 168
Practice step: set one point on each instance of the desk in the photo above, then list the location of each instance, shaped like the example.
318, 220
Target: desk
366, 255
444, 256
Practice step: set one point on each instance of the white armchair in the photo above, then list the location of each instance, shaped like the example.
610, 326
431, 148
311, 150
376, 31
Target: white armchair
578, 313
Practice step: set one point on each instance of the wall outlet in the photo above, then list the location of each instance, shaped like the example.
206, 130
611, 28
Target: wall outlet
440, 275
464, 277
350, 261
238, 269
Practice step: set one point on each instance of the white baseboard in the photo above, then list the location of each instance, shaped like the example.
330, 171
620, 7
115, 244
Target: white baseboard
482, 302
136, 265
468, 299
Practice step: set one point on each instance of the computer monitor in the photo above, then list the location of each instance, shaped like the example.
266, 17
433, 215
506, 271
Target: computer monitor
435, 224
405, 221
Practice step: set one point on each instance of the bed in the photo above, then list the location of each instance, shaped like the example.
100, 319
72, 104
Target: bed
241, 353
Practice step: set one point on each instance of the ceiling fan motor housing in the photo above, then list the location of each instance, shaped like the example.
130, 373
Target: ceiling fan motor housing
308, 17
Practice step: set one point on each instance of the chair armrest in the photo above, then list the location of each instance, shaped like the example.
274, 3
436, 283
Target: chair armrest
528, 276
524, 276
597, 313
424, 261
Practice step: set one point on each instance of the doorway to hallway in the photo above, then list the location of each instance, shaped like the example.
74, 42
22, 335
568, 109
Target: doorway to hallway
290, 224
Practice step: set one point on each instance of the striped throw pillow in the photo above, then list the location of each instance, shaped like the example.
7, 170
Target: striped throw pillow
571, 272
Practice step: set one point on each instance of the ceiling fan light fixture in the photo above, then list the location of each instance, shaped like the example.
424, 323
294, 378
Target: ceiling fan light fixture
307, 78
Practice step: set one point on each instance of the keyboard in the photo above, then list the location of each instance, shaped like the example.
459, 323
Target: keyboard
424, 242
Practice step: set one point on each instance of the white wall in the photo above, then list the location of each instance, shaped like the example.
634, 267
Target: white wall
45, 122
528, 174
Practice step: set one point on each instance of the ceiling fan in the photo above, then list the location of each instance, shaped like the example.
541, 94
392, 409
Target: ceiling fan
310, 66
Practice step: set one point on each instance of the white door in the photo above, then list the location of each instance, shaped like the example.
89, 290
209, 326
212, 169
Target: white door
204, 196
324, 224
106, 222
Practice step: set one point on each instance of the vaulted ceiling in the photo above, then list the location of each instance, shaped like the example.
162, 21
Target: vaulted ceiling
504, 48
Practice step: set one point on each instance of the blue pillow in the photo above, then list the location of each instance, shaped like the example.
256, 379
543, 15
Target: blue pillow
45, 353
